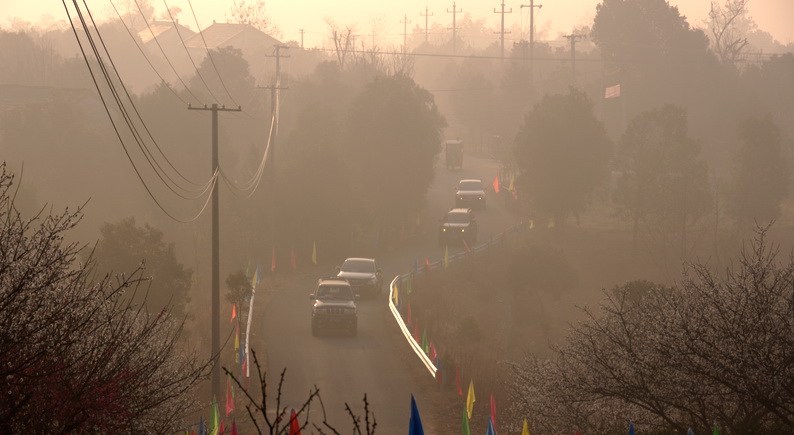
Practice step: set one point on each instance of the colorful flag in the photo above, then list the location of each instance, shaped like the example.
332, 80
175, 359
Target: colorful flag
293, 260
425, 347
512, 185
314, 252
214, 417
612, 92
409, 285
236, 342
491, 430
240, 358
525, 430
439, 377
427, 264
433, 354
493, 413
715, 430
234, 429
496, 183
202, 429
465, 430
234, 312
470, 399
396, 296
415, 424
416, 330
273, 260
457, 379
255, 278
690, 431
631, 429
446, 256
294, 426
222, 428
229, 395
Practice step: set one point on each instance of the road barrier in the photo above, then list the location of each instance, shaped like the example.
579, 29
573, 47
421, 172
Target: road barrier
399, 279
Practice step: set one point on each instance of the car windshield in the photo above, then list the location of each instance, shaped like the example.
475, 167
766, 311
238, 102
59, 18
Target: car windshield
457, 217
358, 266
335, 292
470, 185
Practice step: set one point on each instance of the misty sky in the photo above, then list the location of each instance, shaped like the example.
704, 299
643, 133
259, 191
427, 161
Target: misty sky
555, 17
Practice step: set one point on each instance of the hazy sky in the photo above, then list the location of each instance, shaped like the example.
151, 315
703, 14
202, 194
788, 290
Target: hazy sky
556, 16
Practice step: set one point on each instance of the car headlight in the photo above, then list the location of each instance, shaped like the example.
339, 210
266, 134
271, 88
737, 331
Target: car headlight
443, 229
463, 230
460, 198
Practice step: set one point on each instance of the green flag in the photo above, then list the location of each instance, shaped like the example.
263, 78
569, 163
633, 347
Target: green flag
465, 430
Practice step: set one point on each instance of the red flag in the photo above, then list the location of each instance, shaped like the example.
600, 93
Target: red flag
222, 429
427, 264
409, 313
293, 260
229, 396
433, 353
493, 413
416, 330
612, 91
234, 429
273, 260
294, 426
457, 379
234, 312
496, 184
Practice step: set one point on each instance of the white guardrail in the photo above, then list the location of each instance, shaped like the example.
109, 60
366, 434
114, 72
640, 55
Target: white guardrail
417, 348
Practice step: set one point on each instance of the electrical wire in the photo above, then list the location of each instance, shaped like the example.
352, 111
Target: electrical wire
253, 183
142, 145
198, 73
110, 117
163, 52
209, 54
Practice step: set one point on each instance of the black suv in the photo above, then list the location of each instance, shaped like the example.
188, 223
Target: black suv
363, 274
470, 193
334, 306
458, 224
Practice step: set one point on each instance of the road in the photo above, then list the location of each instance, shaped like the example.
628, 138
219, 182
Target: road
378, 361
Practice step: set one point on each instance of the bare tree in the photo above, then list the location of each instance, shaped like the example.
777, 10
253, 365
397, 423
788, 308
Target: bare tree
709, 349
255, 14
75, 356
728, 39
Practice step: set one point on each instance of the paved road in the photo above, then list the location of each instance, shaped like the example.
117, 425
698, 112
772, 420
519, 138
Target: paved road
376, 362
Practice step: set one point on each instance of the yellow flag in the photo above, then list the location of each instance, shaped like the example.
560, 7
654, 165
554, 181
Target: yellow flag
470, 399
446, 256
314, 253
525, 430
396, 296
512, 183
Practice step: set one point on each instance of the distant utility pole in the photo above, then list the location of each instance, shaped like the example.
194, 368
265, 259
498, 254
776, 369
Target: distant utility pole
271, 158
405, 22
532, 7
572, 37
502, 31
302, 32
216, 280
454, 13
425, 15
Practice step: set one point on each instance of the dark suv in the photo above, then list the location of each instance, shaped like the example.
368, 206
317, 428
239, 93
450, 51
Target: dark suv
457, 224
470, 193
363, 274
334, 306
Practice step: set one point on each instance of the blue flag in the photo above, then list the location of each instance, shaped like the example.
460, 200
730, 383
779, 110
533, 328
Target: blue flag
491, 430
202, 430
690, 432
415, 425
631, 429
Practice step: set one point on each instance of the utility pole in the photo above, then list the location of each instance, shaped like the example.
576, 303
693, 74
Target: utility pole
271, 158
502, 32
405, 22
216, 279
425, 15
532, 7
572, 37
454, 13
302, 32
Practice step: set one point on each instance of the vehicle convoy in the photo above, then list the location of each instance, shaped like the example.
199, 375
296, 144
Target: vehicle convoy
363, 274
334, 307
470, 193
457, 224
453, 150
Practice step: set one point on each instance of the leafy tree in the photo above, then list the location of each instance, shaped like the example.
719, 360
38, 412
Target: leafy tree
711, 348
239, 287
74, 356
761, 176
224, 71
125, 245
661, 181
255, 14
392, 138
562, 152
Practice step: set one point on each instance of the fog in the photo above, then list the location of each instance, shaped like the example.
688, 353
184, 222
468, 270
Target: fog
623, 154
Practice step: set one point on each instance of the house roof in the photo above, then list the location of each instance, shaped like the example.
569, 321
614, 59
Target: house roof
160, 28
219, 34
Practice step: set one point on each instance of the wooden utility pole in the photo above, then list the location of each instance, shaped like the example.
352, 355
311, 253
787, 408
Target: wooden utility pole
302, 32
216, 280
454, 13
572, 37
405, 22
532, 7
425, 15
502, 31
